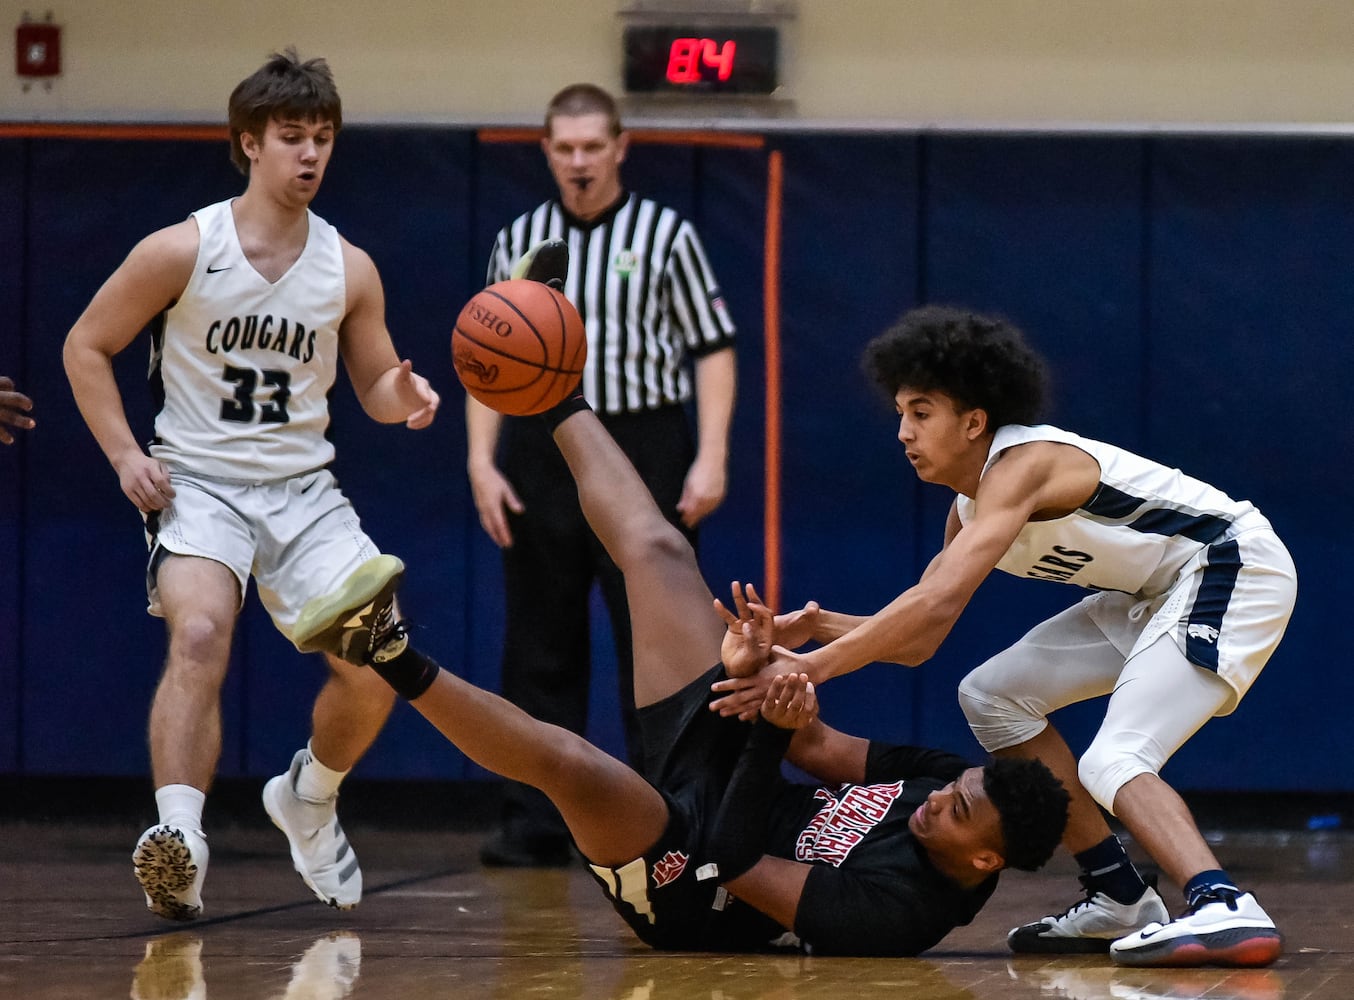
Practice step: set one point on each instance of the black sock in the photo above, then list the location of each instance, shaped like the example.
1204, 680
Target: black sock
1106, 868
562, 411
1214, 882
410, 673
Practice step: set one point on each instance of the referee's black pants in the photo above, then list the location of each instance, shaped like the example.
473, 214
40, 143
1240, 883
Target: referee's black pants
549, 572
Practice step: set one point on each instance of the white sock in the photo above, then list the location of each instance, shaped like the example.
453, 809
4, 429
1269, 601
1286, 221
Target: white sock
315, 782
181, 806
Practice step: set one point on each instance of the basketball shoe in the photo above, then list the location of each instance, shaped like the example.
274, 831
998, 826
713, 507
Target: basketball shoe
320, 851
546, 262
1222, 928
355, 620
170, 863
1087, 926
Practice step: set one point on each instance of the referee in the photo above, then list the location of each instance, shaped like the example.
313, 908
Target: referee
639, 278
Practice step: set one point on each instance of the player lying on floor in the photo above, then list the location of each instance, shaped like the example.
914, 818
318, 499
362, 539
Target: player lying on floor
1191, 591
710, 848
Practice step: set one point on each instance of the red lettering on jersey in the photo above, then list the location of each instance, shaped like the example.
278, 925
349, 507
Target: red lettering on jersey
668, 867
843, 822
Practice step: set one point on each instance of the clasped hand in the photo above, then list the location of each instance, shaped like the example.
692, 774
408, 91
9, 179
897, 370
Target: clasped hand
755, 654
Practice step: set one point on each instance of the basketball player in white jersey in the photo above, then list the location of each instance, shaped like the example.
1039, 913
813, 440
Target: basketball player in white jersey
253, 300
1193, 593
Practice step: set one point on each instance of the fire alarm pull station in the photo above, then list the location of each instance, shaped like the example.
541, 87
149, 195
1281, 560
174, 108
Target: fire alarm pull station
37, 49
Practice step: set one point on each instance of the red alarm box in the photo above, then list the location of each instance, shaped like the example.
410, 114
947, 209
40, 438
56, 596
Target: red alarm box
37, 49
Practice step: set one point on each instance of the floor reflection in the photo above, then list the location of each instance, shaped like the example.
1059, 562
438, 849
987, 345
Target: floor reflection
435, 925
173, 969
1068, 981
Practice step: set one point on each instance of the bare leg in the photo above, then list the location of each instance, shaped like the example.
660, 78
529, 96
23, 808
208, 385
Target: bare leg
1161, 701
349, 712
676, 632
1161, 822
200, 598
613, 813
1086, 825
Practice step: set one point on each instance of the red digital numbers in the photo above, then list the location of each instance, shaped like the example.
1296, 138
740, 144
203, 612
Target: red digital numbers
690, 58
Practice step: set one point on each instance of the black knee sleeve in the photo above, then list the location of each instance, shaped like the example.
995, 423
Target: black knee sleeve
557, 414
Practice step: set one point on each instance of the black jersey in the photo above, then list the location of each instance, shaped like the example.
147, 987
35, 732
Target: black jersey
873, 889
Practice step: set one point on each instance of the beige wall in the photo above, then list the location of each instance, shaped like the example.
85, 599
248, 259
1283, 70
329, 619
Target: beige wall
908, 62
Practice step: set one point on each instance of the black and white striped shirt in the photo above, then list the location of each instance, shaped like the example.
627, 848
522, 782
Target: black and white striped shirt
639, 277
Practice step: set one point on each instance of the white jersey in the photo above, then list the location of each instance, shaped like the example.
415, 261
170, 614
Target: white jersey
1139, 530
242, 367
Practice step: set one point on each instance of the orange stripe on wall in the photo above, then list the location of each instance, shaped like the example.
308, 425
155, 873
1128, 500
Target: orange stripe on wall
55, 130
771, 308
70, 130
653, 136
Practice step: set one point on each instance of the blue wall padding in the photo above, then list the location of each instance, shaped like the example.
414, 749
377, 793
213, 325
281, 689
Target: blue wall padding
1191, 294
14, 459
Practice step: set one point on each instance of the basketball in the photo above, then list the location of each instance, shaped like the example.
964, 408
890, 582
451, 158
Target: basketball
519, 347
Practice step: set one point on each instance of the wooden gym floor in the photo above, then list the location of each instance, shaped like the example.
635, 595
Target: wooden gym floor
435, 924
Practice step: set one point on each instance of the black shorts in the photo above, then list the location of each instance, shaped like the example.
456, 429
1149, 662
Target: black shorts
689, 753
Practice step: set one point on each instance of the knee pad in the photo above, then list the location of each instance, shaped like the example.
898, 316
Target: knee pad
998, 720
1113, 760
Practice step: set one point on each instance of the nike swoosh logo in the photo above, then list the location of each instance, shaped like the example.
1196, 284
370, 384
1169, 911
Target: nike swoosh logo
213, 270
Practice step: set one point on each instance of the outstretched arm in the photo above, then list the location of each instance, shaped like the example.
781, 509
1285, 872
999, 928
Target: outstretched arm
388, 389
1039, 478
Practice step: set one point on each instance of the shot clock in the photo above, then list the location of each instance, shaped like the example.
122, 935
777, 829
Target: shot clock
702, 58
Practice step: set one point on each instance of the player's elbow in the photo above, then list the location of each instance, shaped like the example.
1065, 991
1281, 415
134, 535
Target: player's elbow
939, 611
918, 651
76, 353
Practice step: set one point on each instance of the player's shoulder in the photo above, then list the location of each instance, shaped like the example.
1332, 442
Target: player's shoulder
361, 278
1038, 444
174, 247
355, 259
1028, 469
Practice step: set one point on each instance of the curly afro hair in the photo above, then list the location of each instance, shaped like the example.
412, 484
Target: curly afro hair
1032, 804
981, 362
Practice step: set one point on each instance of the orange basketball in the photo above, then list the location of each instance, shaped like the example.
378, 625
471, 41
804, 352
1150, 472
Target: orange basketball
519, 347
